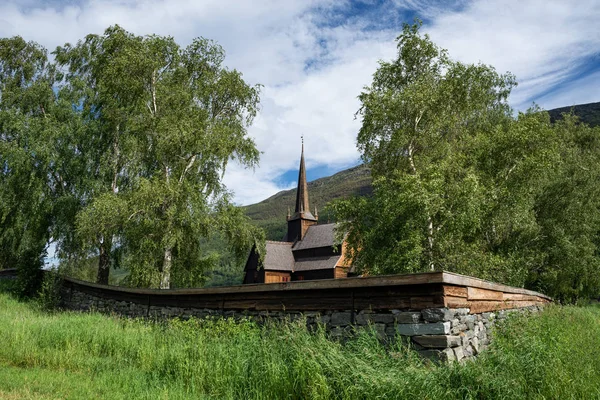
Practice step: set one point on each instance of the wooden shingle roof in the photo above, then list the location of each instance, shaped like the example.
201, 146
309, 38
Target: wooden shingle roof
312, 263
279, 256
317, 236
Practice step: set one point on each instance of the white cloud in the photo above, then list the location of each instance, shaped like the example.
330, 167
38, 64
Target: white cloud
540, 41
580, 91
313, 72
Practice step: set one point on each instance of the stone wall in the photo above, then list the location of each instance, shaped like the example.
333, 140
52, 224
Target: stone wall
8, 274
444, 316
444, 334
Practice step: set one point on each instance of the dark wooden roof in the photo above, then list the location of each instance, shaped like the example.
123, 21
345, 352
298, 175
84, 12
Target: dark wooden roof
317, 236
313, 263
279, 256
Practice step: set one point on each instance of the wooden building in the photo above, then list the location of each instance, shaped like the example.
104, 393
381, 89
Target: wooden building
308, 250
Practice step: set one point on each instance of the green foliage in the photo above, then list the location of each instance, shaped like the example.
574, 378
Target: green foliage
33, 195
173, 117
73, 355
226, 275
462, 185
49, 295
116, 152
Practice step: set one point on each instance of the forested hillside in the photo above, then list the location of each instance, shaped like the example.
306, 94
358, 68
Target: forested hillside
587, 113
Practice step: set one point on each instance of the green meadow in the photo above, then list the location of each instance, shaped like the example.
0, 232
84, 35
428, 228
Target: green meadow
552, 355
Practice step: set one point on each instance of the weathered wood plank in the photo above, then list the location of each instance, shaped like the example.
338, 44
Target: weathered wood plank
8, 272
487, 306
382, 303
378, 281
521, 304
290, 304
455, 302
521, 297
455, 291
463, 280
419, 303
481, 306
484, 294
333, 284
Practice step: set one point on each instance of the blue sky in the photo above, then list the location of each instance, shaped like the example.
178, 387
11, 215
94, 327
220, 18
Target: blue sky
313, 58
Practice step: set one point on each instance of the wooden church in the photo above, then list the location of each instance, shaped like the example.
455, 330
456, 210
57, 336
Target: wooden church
308, 250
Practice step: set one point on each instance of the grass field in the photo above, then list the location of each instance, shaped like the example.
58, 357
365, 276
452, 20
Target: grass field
554, 355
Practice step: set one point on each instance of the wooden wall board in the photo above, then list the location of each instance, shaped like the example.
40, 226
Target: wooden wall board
415, 292
455, 291
484, 294
355, 282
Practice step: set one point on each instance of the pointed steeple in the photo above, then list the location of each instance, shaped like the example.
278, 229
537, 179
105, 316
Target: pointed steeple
302, 192
302, 218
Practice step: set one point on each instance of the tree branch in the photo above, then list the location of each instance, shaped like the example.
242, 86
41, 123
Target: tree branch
154, 91
187, 167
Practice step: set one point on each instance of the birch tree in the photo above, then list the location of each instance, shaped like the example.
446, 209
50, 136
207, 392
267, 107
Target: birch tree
171, 120
40, 160
417, 116
461, 184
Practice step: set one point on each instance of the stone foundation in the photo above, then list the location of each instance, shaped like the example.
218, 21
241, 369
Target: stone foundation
444, 334
444, 316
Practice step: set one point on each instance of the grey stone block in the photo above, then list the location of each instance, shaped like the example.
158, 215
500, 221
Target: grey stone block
458, 353
408, 317
341, 318
468, 350
390, 332
458, 329
438, 328
445, 355
382, 318
470, 321
380, 329
436, 314
475, 345
437, 341
465, 340
448, 355
337, 332
461, 311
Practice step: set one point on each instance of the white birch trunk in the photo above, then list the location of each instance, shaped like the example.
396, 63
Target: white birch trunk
165, 276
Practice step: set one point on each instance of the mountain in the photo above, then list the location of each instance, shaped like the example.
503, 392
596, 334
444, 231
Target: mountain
270, 214
587, 113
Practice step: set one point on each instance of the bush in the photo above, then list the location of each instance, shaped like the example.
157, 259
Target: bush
49, 294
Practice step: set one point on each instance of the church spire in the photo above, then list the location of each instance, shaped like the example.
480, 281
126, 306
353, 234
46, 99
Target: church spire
302, 192
299, 222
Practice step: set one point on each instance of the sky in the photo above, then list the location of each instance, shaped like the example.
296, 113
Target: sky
313, 57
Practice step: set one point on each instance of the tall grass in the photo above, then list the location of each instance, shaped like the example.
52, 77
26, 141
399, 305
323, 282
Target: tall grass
68, 355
